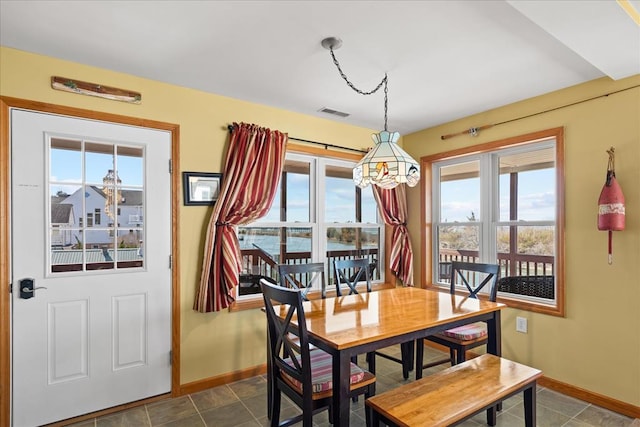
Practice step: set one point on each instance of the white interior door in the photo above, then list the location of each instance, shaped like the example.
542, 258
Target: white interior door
91, 232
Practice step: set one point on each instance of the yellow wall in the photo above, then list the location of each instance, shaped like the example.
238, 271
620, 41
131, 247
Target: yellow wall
216, 343
597, 345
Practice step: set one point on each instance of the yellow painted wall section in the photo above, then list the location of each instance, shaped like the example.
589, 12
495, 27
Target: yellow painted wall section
596, 346
216, 343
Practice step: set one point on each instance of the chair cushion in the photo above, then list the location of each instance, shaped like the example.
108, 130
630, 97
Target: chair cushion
321, 369
468, 332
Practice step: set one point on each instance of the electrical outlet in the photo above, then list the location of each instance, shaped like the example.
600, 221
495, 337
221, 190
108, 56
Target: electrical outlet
521, 325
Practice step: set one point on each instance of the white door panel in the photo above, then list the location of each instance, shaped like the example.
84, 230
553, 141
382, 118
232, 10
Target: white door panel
99, 336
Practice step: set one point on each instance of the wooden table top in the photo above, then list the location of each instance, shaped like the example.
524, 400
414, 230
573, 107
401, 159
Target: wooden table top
352, 320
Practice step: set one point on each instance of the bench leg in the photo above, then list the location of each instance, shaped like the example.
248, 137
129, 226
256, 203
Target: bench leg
530, 406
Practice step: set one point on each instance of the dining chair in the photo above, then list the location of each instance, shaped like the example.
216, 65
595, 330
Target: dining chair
474, 277
304, 277
303, 374
351, 272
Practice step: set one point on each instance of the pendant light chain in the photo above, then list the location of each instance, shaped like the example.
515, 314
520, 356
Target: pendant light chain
352, 86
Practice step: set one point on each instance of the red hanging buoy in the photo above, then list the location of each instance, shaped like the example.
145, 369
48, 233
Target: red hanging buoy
611, 214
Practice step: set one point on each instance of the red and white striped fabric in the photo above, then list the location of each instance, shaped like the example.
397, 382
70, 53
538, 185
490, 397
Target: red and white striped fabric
253, 167
392, 205
322, 372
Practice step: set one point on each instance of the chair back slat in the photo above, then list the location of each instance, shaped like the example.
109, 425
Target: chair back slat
351, 272
303, 277
467, 270
288, 341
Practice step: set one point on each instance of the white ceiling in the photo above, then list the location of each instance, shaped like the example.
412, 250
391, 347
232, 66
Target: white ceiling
445, 59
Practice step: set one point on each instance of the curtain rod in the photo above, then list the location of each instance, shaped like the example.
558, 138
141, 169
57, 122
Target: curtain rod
474, 131
324, 144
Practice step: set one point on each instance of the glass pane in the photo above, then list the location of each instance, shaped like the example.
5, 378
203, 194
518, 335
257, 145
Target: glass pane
460, 192
130, 168
297, 200
98, 162
529, 253
65, 256
369, 206
99, 250
530, 176
65, 207
65, 163
130, 248
458, 243
529, 270
340, 195
353, 243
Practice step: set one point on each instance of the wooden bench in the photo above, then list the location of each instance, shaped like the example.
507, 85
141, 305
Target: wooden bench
457, 393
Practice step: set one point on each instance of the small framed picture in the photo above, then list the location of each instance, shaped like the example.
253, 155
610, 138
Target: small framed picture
200, 188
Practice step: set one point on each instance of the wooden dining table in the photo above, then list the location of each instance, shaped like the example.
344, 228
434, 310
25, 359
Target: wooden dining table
360, 323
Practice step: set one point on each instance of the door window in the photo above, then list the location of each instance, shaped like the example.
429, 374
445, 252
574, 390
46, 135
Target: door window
96, 205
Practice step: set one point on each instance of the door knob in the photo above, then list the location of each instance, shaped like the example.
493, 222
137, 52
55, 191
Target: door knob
27, 289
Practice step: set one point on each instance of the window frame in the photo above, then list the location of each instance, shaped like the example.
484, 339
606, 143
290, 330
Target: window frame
428, 225
256, 301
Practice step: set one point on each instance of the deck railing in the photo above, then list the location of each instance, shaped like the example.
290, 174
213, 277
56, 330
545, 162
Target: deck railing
257, 263
510, 264
523, 274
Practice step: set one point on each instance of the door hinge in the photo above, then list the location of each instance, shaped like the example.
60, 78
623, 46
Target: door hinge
170, 261
170, 357
170, 166
10, 288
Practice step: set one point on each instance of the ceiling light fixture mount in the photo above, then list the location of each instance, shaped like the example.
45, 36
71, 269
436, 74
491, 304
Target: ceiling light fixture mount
386, 164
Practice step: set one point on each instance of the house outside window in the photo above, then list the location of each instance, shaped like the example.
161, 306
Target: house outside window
318, 215
97, 217
501, 203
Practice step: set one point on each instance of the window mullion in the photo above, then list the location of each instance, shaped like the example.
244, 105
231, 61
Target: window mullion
487, 195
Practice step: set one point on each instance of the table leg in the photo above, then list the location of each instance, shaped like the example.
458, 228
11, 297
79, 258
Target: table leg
419, 357
341, 388
494, 329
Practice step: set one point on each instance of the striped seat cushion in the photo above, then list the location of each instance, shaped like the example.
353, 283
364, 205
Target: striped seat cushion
468, 332
321, 372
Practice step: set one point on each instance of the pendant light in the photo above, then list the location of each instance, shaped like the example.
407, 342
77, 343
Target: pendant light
386, 164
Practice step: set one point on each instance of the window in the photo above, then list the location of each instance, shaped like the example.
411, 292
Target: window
318, 215
84, 184
501, 203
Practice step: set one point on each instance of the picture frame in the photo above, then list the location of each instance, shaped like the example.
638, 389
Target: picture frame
200, 188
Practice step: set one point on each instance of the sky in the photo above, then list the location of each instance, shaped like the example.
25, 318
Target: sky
66, 167
536, 197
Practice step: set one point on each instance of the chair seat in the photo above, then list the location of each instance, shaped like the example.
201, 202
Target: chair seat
321, 372
469, 332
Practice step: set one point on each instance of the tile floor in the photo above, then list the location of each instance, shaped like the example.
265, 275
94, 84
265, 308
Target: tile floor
244, 404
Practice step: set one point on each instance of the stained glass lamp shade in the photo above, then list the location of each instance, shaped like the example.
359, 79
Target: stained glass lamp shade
386, 164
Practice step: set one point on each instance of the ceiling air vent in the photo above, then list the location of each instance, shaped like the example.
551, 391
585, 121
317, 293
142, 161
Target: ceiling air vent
333, 112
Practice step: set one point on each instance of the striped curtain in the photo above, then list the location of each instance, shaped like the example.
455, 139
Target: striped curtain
254, 163
392, 205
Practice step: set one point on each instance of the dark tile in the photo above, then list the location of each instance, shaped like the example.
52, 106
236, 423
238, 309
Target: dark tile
213, 398
257, 405
170, 410
601, 417
135, 417
249, 387
560, 402
86, 423
547, 417
575, 423
190, 421
227, 416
